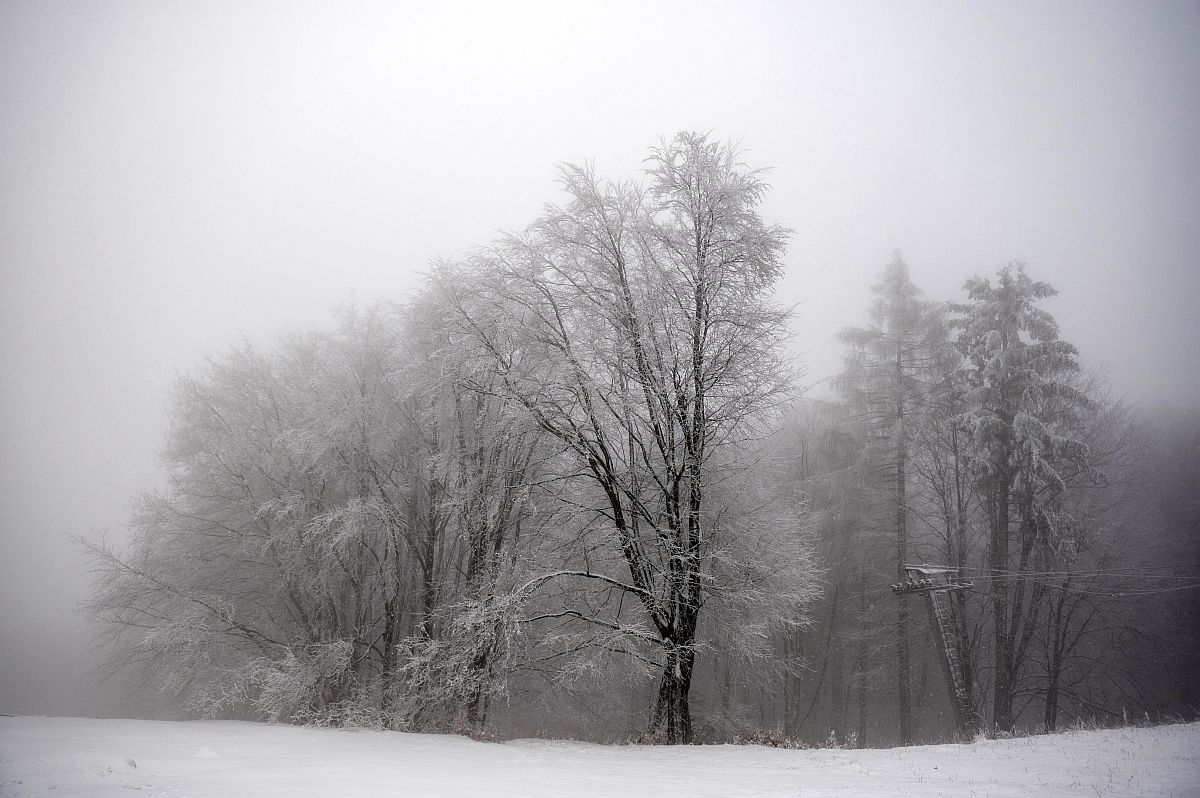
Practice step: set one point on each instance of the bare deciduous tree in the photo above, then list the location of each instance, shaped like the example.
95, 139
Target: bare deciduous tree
635, 328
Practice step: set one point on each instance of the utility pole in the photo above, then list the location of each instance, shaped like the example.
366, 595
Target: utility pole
940, 584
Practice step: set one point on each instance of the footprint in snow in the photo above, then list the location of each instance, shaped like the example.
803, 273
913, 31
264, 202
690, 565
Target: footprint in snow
207, 752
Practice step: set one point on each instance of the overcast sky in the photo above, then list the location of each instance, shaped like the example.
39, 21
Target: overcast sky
177, 177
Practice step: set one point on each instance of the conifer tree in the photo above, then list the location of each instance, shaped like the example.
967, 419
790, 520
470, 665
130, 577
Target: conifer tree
1021, 457
885, 383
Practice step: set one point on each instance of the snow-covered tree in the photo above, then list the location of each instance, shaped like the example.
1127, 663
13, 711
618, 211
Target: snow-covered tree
1024, 451
635, 328
485, 457
276, 571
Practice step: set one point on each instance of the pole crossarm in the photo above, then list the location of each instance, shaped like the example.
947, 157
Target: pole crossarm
928, 578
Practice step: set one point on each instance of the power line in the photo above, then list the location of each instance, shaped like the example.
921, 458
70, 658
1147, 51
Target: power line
1040, 577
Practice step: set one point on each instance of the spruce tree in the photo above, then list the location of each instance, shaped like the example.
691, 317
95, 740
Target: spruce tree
1017, 370
885, 383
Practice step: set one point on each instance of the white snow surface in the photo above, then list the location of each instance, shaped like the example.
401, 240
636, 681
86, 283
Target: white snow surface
203, 759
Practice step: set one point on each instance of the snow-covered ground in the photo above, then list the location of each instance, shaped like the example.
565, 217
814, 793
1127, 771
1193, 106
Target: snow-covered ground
198, 759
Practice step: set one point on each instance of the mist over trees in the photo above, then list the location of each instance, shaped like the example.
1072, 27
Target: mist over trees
570, 487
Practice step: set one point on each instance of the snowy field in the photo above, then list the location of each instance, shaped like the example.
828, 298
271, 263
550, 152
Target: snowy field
199, 759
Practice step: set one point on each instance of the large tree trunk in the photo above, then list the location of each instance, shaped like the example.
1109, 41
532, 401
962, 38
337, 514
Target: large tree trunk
1058, 624
860, 667
387, 692
903, 688
860, 687
1002, 717
1051, 713
966, 653
475, 711
672, 718
839, 694
903, 669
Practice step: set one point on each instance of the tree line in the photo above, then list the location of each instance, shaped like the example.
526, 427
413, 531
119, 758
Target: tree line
570, 487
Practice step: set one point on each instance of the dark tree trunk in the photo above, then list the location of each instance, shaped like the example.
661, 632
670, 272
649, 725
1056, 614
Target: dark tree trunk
838, 694
1051, 713
1002, 717
672, 719
860, 668
861, 690
388, 672
903, 667
476, 703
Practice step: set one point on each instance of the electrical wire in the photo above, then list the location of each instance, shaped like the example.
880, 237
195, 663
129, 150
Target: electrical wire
1041, 578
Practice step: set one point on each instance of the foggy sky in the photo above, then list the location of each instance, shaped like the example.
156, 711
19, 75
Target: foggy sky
178, 177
